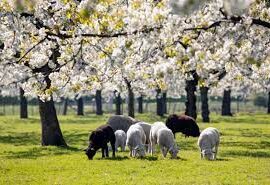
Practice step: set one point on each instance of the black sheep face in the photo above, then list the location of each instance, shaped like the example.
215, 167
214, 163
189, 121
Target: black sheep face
171, 119
90, 152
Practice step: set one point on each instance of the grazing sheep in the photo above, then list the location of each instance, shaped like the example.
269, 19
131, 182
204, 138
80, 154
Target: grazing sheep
208, 143
99, 139
166, 142
121, 122
184, 124
121, 138
153, 134
136, 140
146, 127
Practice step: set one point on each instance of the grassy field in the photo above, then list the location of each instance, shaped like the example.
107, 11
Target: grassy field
244, 155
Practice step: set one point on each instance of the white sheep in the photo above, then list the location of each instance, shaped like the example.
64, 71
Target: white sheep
136, 140
165, 139
120, 141
146, 127
153, 134
121, 122
208, 143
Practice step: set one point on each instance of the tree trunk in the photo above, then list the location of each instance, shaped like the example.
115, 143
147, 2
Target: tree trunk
164, 101
140, 105
23, 105
268, 109
204, 105
65, 106
190, 88
98, 98
51, 132
159, 98
226, 103
118, 103
80, 107
130, 99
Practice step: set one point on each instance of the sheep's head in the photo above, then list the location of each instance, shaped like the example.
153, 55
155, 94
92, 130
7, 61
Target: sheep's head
208, 154
174, 151
170, 120
90, 152
140, 151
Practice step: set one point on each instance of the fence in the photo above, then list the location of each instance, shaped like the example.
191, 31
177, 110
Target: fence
10, 106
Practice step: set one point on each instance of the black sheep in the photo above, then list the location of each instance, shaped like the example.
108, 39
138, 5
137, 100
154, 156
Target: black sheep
99, 139
184, 124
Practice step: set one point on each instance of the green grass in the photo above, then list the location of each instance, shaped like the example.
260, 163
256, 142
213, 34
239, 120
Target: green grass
243, 158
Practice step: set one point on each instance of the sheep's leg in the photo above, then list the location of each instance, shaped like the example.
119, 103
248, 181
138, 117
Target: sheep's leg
152, 149
113, 149
133, 153
216, 151
130, 153
163, 150
123, 148
107, 150
103, 151
201, 154
116, 147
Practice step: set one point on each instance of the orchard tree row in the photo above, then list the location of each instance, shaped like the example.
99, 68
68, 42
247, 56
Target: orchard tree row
63, 48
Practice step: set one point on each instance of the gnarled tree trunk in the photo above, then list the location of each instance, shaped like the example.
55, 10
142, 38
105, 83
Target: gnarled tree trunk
51, 132
159, 99
98, 98
226, 103
23, 105
140, 104
80, 111
204, 105
191, 87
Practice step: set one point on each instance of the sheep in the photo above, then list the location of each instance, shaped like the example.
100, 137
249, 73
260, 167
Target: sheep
165, 139
208, 142
99, 139
146, 127
135, 141
121, 138
184, 124
153, 134
121, 122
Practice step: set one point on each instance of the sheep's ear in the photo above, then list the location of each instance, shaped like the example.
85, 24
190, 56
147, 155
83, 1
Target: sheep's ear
85, 149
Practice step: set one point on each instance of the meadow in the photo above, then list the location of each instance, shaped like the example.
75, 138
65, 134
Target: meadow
243, 158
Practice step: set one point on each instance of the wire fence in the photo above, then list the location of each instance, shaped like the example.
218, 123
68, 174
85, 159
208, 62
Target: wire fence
11, 106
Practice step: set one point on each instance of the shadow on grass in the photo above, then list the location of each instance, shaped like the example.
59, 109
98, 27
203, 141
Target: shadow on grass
116, 158
222, 159
37, 152
247, 145
74, 138
248, 119
149, 158
19, 139
255, 154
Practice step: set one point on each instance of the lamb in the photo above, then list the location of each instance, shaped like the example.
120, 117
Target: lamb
184, 124
121, 122
153, 134
208, 142
121, 138
146, 127
136, 140
165, 139
99, 139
